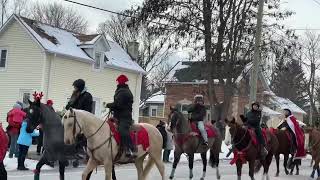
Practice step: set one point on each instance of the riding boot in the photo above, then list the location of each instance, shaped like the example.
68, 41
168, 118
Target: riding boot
36, 175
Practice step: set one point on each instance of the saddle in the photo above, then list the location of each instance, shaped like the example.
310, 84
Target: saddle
254, 136
139, 135
209, 128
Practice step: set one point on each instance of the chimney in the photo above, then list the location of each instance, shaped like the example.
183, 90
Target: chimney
133, 49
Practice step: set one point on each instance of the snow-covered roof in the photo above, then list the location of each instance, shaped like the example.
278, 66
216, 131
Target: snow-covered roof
269, 112
284, 103
118, 57
157, 97
67, 43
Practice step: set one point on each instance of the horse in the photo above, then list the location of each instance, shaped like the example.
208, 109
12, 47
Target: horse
314, 141
186, 142
284, 148
54, 147
103, 148
245, 150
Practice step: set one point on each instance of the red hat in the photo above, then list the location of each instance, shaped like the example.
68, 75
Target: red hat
49, 102
122, 79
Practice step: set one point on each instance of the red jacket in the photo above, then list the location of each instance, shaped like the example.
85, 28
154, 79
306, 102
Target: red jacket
3, 144
15, 118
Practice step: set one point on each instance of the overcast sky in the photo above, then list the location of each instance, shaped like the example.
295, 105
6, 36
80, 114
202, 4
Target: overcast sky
307, 11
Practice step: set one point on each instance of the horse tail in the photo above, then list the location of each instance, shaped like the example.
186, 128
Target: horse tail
148, 167
257, 166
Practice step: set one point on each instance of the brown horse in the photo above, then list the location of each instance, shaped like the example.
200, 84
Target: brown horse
182, 130
284, 148
314, 142
243, 143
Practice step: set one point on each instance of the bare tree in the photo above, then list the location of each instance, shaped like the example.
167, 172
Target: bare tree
312, 62
59, 16
154, 49
4, 4
20, 7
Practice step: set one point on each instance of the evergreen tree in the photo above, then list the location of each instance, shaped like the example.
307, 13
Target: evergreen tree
288, 81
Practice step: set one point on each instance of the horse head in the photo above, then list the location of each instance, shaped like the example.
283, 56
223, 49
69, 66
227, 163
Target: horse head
72, 128
231, 129
179, 124
34, 114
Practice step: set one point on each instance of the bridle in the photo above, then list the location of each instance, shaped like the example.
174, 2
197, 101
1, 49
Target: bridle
76, 123
242, 138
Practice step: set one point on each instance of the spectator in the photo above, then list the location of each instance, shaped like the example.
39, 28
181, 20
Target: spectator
168, 147
162, 129
15, 118
3, 150
24, 142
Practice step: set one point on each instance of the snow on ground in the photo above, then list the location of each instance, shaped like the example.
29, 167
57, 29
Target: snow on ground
12, 164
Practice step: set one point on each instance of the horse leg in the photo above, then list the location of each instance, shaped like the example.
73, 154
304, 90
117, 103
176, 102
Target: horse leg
41, 162
297, 168
277, 157
251, 169
62, 167
315, 167
148, 167
157, 159
294, 165
285, 163
139, 165
88, 170
108, 170
204, 162
239, 169
177, 156
190, 160
267, 166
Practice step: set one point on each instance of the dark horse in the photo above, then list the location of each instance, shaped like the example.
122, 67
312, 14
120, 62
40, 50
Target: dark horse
284, 148
314, 143
243, 143
189, 144
53, 133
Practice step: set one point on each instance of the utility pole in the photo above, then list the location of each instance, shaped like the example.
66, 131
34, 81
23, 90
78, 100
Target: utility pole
256, 61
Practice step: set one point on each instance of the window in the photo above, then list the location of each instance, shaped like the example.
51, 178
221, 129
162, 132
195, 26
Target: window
3, 58
154, 111
97, 58
25, 95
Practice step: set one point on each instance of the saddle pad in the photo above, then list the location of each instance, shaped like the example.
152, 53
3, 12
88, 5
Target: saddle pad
254, 136
209, 128
140, 137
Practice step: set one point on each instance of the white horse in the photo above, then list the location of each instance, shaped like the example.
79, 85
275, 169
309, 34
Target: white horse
103, 148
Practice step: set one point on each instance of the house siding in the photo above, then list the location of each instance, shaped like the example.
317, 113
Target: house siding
100, 84
25, 63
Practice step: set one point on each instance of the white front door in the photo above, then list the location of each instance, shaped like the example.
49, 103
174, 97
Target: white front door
96, 106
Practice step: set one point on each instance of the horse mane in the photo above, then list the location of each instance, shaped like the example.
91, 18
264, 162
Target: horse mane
50, 115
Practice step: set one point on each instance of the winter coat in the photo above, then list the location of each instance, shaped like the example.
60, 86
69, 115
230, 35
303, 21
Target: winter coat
83, 102
169, 144
163, 132
253, 118
122, 105
3, 144
24, 137
198, 112
15, 118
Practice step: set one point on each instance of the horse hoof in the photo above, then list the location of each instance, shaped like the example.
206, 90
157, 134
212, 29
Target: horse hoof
291, 173
277, 175
170, 177
287, 172
297, 174
218, 177
202, 178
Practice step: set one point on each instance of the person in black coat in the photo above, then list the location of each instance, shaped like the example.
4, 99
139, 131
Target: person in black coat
122, 111
253, 120
198, 113
80, 99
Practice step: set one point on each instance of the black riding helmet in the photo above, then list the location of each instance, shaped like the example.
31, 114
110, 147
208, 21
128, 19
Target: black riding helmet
79, 84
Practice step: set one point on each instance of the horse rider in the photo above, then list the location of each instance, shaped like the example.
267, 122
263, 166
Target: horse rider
296, 132
81, 99
197, 112
253, 120
122, 111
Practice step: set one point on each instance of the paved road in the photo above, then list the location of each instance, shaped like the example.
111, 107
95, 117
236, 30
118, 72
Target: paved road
128, 172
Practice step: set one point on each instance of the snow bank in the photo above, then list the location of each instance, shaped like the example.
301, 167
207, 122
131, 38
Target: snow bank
12, 164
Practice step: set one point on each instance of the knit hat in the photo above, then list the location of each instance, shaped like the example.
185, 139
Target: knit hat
79, 84
122, 79
49, 102
17, 106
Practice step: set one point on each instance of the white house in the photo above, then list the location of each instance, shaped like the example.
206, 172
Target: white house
39, 57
